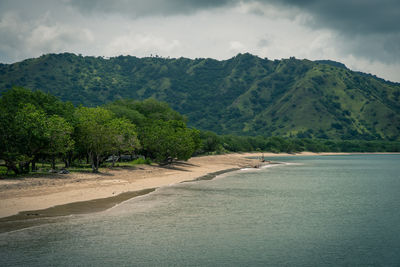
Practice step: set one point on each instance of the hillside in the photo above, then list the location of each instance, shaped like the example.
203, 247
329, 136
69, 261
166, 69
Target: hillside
244, 95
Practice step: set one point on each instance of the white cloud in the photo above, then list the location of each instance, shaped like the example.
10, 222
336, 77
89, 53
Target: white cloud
39, 36
141, 44
236, 47
57, 37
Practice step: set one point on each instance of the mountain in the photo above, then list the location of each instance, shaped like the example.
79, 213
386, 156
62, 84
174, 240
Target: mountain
244, 95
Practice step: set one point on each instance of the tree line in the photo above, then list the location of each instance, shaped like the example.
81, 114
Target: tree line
38, 127
212, 143
35, 126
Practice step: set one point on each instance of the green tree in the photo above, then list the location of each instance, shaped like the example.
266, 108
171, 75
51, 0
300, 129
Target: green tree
23, 135
139, 112
168, 141
59, 137
123, 136
99, 133
210, 142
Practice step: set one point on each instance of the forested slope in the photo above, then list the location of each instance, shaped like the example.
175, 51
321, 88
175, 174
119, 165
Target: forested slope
245, 95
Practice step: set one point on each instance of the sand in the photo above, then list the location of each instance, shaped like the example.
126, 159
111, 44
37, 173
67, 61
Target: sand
37, 193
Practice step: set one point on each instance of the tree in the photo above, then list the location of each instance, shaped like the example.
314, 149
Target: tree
139, 112
98, 133
123, 136
168, 141
210, 141
59, 137
23, 135
31, 125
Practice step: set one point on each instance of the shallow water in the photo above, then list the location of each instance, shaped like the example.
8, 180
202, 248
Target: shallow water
315, 211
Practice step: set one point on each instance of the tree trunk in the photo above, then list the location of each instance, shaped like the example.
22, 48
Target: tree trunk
69, 158
53, 162
90, 158
34, 164
113, 161
97, 162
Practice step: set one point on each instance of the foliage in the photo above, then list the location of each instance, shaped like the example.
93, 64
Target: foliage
278, 144
30, 127
37, 126
139, 112
141, 161
99, 133
244, 95
167, 141
162, 131
60, 140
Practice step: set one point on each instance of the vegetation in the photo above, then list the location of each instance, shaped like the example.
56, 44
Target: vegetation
212, 143
98, 133
245, 95
242, 104
35, 126
162, 131
32, 126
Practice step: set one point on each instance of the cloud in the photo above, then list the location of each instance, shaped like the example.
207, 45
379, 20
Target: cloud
237, 47
351, 16
370, 28
27, 38
360, 22
363, 34
140, 8
141, 45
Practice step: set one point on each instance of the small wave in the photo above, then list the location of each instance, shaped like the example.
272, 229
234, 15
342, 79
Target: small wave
292, 163
274, 164
271, 165
250, 169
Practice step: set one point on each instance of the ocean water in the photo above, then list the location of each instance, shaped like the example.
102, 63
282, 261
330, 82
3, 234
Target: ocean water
312, 211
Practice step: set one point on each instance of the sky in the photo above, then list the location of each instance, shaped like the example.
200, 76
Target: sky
363, 34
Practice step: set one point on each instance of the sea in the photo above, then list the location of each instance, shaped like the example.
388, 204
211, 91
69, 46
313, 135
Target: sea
339, 210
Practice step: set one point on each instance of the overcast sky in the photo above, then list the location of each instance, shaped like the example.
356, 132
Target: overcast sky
363, 34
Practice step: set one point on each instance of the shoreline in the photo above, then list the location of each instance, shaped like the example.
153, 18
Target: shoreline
39, 193
26, 219
33, 200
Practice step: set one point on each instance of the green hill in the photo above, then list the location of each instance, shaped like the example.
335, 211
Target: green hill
244, 95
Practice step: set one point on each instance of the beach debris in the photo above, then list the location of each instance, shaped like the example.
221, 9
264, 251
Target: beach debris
63, 171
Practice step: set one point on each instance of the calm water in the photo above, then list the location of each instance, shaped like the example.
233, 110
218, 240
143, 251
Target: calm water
315, 211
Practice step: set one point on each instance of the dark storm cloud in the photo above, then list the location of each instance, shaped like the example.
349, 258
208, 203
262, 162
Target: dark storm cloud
139, 8
369, 28
352, 16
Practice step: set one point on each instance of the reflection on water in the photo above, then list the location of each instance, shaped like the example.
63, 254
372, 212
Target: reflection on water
332, 210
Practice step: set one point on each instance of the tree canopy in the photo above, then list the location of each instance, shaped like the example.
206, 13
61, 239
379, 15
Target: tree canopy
35, 125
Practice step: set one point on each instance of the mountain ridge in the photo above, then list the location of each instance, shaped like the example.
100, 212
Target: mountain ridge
244, 95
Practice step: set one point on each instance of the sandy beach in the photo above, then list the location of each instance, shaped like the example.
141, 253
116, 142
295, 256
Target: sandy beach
38, 193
